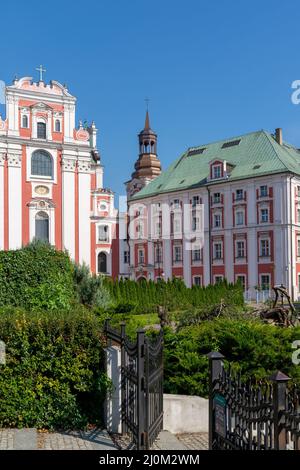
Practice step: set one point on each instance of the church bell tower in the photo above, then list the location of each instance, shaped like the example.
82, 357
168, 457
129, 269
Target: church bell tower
148, 166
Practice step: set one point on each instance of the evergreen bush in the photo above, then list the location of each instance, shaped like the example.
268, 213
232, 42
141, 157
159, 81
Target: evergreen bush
54, 373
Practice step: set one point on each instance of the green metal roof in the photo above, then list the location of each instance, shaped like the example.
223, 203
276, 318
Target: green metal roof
257, 154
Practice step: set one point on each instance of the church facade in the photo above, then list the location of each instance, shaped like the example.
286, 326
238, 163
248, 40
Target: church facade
51, 177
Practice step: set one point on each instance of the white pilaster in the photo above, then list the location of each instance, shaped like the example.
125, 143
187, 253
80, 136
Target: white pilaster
186, 245
228, 244
84, 223
12, 110
2, 160
14, 199
68, 204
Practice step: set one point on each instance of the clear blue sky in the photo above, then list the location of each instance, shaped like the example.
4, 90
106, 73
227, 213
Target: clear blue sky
212, 69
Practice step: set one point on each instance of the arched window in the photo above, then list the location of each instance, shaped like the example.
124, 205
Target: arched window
102, 263
41, 130
57, 125
25, 121
42, 226
41, 164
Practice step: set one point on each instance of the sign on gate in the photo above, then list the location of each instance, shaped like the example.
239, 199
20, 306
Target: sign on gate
220, 415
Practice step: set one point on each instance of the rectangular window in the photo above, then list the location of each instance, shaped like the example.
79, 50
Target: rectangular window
177, 254
141, 256
217, 171
265, 281
195, 223
264, 248
217, 220
158, 229
298, 247
298, 215
103, 235
126, 257
177, 225
140, 231
196, 254
263, 191
240, 249
195, 201
217, 198
264, 215
218, 279
298, 191
217, 250
176, 204
239, 194
158, 254
197, 281
242, 279
239, 218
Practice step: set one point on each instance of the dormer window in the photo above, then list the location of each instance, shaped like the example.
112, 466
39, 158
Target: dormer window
41, 130
57, 126
25, 121
216, 171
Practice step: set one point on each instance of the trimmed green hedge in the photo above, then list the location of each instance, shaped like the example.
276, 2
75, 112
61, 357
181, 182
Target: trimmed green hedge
144, 296
54, 373
255, 349
36, 277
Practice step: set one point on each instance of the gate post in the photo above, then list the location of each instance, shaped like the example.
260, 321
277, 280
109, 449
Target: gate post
279, 404
215, 369
123, 381
141, 412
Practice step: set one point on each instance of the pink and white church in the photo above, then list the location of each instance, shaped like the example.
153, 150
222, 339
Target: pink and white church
51, 177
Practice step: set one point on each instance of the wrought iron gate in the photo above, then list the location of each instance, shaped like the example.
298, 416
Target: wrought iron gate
251, 416
141, 385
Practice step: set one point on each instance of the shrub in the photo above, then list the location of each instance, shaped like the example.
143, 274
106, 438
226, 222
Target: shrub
90, 289
253, 348
173, 294
54, 369
36, 277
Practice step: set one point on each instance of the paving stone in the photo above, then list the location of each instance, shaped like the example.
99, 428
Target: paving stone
194, 441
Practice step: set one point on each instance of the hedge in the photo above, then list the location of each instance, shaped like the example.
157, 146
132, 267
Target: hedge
54, 373
144, 296
255, 349
36, 277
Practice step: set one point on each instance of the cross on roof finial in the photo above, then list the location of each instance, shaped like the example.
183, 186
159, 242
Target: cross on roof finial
147, 103
41, 70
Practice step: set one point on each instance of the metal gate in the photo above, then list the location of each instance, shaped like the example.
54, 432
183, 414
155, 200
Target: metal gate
261, 415
141, 385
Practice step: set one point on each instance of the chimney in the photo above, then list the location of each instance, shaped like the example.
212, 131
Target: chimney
278, 135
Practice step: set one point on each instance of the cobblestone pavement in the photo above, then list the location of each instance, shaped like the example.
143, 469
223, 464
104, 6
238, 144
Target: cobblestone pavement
194, 441
168, 441
23, 439
6, 439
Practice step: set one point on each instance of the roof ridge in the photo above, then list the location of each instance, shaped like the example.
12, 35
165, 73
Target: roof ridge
226, 139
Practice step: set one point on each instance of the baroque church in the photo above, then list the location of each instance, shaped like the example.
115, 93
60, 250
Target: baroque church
51, 178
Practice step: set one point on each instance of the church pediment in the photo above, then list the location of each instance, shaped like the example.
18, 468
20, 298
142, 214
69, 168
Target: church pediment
40, 106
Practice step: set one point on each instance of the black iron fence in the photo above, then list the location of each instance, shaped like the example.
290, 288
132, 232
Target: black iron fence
141, 385
251, 416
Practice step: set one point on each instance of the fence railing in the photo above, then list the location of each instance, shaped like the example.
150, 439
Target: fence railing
141, 385
251, 416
